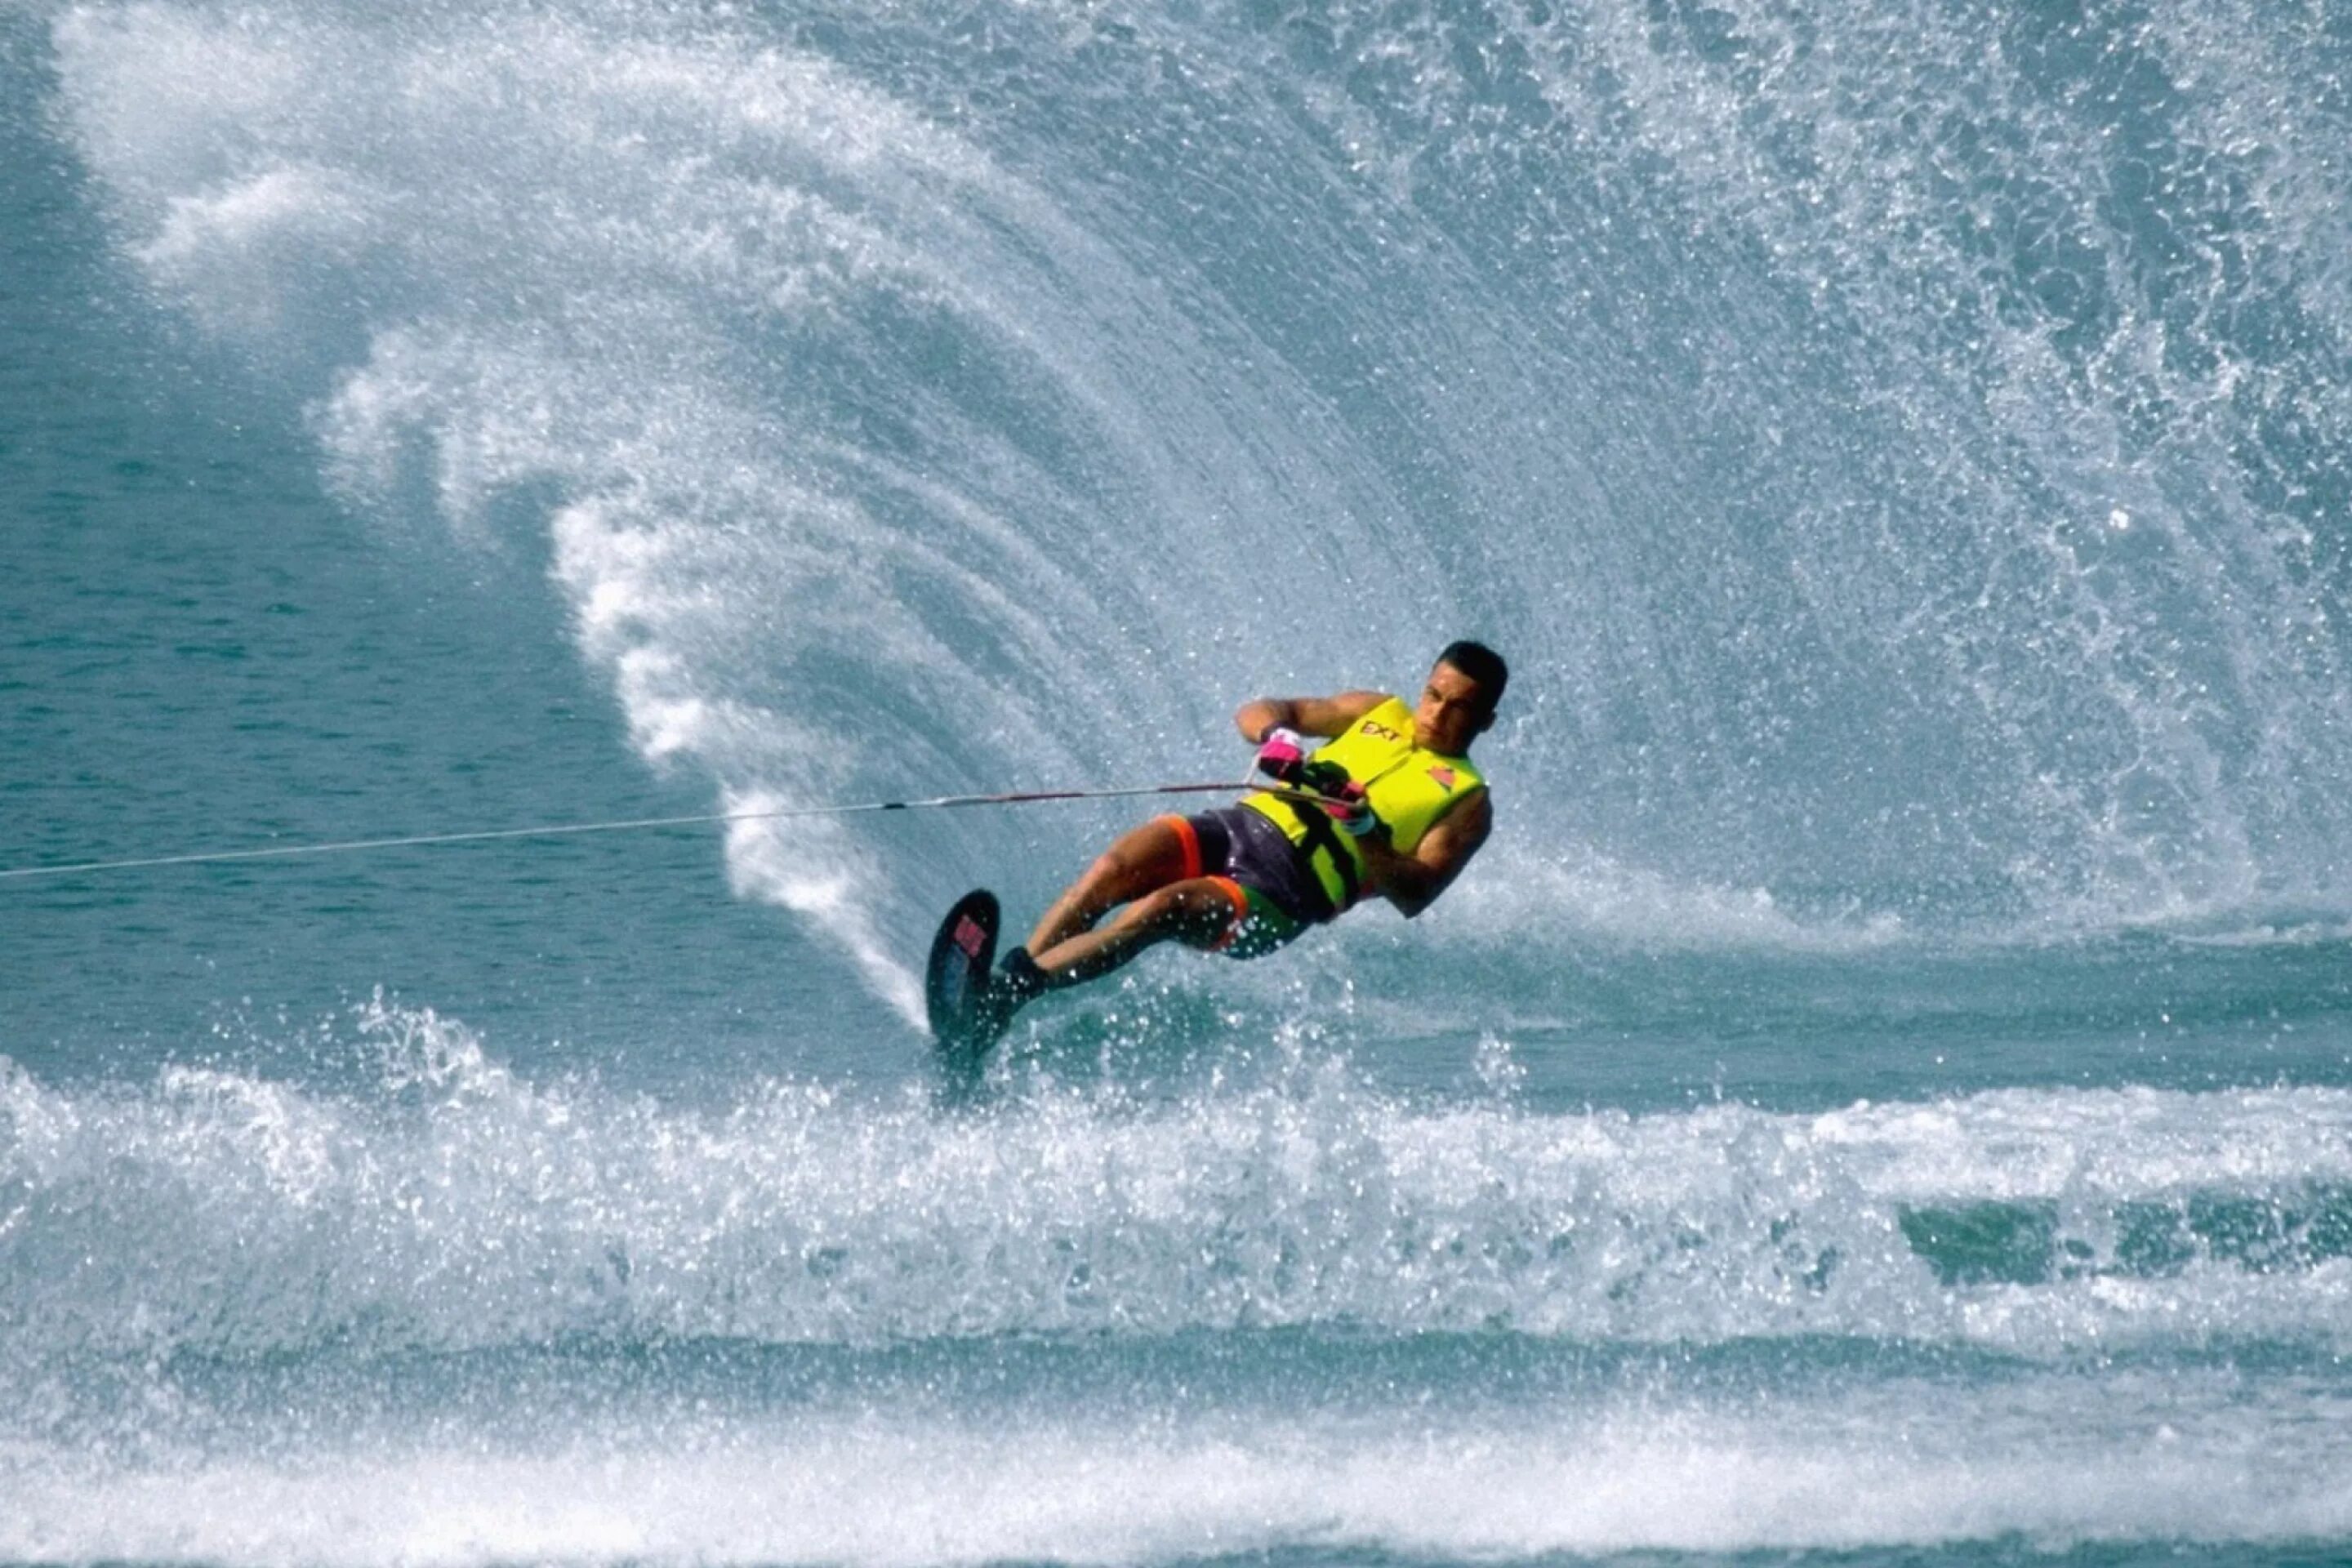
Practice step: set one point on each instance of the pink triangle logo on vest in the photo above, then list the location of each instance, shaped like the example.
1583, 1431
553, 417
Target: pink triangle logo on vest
1443, 776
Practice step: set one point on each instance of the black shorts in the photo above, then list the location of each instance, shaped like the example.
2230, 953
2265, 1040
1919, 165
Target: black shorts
1246, 846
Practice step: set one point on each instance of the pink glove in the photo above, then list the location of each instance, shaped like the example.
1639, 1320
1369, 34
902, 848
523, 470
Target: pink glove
1281, 755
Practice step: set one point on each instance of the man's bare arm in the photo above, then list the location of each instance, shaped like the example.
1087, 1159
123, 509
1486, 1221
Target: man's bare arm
1308, 715
1411, 883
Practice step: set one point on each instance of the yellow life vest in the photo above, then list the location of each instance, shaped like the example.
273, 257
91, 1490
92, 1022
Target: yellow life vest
1407, 787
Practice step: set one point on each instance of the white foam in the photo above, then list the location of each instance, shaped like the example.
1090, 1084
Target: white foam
462, 1206
1901, 1465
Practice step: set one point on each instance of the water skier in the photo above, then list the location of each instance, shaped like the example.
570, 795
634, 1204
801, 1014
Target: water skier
1389, 806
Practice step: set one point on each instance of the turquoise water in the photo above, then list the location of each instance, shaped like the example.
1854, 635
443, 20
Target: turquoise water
1884, 1096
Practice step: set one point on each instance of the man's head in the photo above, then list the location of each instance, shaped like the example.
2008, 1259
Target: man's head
1458, 701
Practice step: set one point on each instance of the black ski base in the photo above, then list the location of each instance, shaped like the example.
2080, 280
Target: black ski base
956, 979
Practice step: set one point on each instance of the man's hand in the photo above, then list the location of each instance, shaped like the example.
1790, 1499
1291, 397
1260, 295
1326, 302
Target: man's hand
1284, 759
1282, 755
1348, 809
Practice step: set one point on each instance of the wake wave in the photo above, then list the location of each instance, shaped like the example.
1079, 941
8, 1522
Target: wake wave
458, 1205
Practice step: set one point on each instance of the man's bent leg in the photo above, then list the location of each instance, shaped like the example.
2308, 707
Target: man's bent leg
1201, 911
1140, 861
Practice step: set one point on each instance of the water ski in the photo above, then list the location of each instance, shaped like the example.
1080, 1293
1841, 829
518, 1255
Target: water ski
955, 980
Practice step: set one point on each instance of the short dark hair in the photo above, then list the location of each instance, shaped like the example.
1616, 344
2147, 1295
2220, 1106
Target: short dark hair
1481, 664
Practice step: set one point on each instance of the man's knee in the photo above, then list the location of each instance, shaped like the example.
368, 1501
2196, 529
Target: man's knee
1104, 882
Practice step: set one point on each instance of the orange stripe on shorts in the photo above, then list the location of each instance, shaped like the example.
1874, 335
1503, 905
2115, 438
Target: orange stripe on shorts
1190, 838
1232, 891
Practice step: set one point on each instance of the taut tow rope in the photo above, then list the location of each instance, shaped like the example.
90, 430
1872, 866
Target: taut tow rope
561, 829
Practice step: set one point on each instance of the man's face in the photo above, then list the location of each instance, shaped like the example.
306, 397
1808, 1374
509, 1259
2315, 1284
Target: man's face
1453, 709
